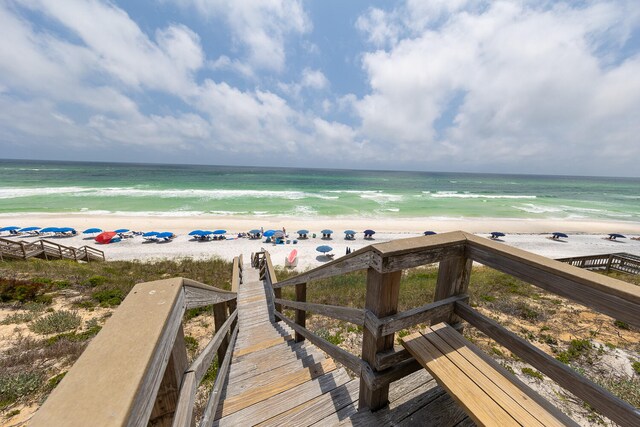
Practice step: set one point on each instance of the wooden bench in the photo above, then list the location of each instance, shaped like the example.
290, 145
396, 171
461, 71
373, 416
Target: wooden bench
490, 394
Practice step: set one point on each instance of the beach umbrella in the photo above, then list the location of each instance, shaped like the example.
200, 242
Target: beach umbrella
10, 228
611, 236
278, 234
429, 233
327, 231
121, 230
218, 232
92, 230
496, 234
66, 230
49, 230
302, 231
164, 235
268, 233
150, 234
557, 234
255, 231
324, 249
29, 229
349, 232
196, 233
105, 237
369, 232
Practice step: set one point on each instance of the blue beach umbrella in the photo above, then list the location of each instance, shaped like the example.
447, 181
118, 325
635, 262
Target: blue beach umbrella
269, 233
255, 231
302, 231
611, 236
196, 233
92, 230
327, 231
50, 230
10, 228
369, 232
429, 233
29, 229
150, 234
496, 234
218, 232
324, 249
65, 230
164, 235
121, 230
557, 235
349, 232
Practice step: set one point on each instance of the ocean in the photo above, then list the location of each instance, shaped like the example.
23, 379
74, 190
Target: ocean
186, 190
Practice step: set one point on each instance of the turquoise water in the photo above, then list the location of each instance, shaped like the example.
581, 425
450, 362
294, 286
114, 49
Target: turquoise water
38, 187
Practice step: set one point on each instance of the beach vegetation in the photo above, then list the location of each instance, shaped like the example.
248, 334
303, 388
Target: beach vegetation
56, 322
635, 365
621, 325
532, 373
108, 297
192, 345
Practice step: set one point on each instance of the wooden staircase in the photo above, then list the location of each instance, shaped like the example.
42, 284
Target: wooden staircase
46, 249
274, 381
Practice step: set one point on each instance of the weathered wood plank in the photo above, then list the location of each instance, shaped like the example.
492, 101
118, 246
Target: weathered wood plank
466, 392
604, 402
615, 298
203, 361
121, 389
301, 315
388, 358
318, 409
223, 371
423, 314
425, 256
382, 300
261, 345
347, 359
200, 295
453, 280
348, 314
358, 260
287, 381
286, 400
184, 410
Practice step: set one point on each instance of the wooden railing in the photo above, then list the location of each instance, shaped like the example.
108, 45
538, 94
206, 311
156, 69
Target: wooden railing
135, 371
48, 250
623, 262
381, 362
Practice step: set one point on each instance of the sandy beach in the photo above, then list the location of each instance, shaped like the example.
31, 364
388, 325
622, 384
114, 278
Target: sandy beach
585, 237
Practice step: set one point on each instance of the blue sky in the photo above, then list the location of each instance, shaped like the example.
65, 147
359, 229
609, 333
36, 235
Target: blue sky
447, 85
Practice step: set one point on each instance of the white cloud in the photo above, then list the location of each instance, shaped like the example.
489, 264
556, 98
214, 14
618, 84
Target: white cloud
314, 79
509, 82
262, 27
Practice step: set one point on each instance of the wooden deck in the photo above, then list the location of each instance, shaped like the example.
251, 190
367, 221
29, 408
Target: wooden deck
46, 249
275, 381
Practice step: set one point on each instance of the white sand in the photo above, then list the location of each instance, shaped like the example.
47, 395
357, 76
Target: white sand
586, 237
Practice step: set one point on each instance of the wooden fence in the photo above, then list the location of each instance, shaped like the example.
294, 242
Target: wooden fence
623, 262
382, 363
135, 371
47, 249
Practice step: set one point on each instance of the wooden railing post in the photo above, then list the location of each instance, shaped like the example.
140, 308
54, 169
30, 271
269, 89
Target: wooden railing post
167, 397
609, 262
219, 317
383, 290
453, 280
301, 315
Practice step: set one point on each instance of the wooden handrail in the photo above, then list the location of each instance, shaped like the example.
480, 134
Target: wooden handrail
117, 378
455, 251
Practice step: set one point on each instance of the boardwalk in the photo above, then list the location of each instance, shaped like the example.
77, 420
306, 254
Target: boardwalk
45, 249
275, 381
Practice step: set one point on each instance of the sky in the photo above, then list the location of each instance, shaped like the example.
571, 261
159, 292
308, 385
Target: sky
541, 87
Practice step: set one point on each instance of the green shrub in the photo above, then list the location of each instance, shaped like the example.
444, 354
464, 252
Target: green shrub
54, 381
96, 281
532, 373
13, 386
191, 343
577, 348
108, 297
636, 367
333, 339
621, 325
56, 322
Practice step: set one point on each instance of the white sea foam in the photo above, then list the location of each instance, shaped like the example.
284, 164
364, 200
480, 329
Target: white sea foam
537, 209
15, 192
382, 197
456, 195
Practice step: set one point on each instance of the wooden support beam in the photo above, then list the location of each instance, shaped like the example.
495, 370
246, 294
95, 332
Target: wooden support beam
219, 318
383, 290
348, 314
301, 315
453, 280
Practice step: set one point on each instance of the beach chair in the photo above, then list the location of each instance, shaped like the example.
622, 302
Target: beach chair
291, 260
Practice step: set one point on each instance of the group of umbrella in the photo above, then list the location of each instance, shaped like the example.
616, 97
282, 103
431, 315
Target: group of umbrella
96, 234
38, 231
